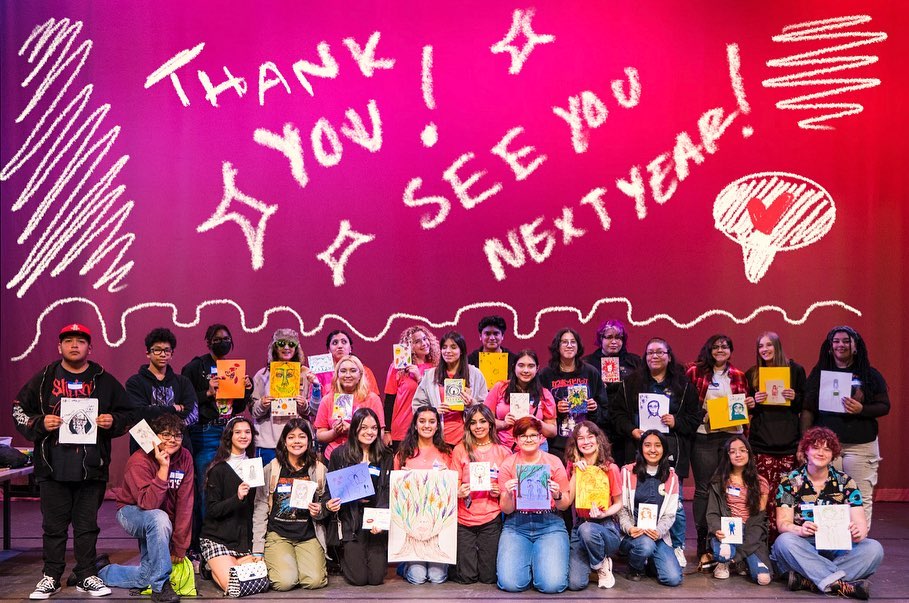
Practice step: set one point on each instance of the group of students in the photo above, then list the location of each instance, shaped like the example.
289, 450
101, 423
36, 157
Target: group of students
186, 497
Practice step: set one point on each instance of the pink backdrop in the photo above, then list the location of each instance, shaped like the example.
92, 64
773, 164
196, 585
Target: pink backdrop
115, 212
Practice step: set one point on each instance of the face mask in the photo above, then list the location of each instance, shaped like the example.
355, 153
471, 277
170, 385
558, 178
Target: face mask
222, 348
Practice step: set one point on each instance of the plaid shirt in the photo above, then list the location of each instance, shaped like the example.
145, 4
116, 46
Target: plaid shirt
737, 381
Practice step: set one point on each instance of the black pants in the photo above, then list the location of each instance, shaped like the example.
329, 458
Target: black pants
63, 503
478, 547
705, 456
365, 559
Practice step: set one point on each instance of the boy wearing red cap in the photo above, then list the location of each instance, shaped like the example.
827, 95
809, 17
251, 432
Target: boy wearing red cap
72, 478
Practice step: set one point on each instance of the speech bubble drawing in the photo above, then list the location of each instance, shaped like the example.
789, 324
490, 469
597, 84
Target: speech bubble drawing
769, 212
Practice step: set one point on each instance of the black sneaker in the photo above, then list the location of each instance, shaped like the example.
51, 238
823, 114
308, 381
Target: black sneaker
101, 560
166, 595
796, 581
45, 588
634, 575
94, 586
857, 589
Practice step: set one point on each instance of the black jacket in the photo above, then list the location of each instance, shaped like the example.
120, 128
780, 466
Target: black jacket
152, 398
198, 370
558, 383
351, 513
775, 429
851, 429
70, 462
228, 520
754, 539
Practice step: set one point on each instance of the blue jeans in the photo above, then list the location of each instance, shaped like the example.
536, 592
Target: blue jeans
153, 529
533, 546
266, 454
418, 572
591, 543
755, 565
794, 553
644, 548
205, 439
677, 531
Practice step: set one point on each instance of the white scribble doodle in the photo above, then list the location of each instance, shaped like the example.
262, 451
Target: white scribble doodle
735, 76
169, 68
80, 218
488, 305
770, 212
520, 24
337, 263
255, 236
820, 65
430, 134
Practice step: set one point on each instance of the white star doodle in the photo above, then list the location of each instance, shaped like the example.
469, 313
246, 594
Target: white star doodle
255, 237
520, 23
337, 263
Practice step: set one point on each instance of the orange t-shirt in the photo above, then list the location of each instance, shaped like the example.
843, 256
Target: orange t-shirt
483, 506
556, 471
323, 416
614, 475
404, 387
738, 505
430, 458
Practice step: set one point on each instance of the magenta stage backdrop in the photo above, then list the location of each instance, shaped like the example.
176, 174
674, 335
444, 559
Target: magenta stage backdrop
688, 167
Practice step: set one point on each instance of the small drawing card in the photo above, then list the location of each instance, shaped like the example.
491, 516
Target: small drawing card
494, 366
284, 407
145, 437
832, 528
402, 357
301, 493
321, 363
651, 408
376, 518
647, 516
835, 386
283, 379
732, 527
250, 471
453, 389
577, 400
350, 483
533, 488
773, 380
343, 407
480, 477
80, 420
231, 379
609, 369
520, 405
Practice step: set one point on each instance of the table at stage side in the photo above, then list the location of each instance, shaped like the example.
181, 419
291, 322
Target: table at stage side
5, 476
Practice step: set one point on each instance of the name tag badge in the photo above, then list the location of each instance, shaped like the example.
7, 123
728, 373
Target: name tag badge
374, 471
437, 465
733, 491
284, 488
74, 386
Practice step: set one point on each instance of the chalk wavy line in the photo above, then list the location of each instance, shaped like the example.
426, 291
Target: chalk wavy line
823, 30
77, 221
582, 317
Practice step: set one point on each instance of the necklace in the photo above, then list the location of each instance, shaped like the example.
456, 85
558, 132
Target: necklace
484, 444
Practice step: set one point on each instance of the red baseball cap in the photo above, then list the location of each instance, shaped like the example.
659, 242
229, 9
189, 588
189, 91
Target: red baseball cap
75, 327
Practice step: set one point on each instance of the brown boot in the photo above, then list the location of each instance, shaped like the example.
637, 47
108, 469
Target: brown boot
798, 582
856, 589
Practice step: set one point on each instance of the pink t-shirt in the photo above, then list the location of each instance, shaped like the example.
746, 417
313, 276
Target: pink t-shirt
556, 471
484, 507
497, 401
429, 458
324, 421
614, 475
738, 504
404, 387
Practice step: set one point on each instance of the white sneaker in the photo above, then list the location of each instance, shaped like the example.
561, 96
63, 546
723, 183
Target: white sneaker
680, 555
606, 579
721, 571
46, 587
94, 586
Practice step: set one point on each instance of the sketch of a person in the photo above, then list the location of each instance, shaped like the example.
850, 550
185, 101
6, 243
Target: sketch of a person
731, 528
80, 424
836, 388
653, 408
737, 412
775, 392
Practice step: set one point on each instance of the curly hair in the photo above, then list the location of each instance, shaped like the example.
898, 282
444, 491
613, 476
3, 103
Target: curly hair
407, 337
167, 422
815, 437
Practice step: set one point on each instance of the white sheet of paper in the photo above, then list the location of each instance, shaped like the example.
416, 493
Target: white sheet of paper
647, 516
301, 493
321, 363
145, 437
520, 405
480, 479
379, 518
651, 407
777, 387
835, 386
284, 407
250, 471
732, 527
80, 421
832, 528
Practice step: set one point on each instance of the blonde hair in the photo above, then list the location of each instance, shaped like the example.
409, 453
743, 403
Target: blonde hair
361, 392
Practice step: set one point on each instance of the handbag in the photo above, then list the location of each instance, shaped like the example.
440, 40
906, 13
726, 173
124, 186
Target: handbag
182, 578
247, 579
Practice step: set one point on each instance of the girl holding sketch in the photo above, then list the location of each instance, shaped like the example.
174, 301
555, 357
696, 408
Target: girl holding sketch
349, 392
525, 380
401, 382
737, 491
479, 514
595, 537
432, 386
424, 448
775, 429
286, 531
647, 483
364, 552
533, 548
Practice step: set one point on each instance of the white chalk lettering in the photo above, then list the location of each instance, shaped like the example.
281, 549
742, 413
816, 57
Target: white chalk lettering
634, 188
520, 24
427, 222
169, 69
328, 69
366, 56
266, 83
212, 92
324, 130
684, 150
496, 252
532, 240
338, 263
521, 171
356, 131
633, 96
595, 200
461, 187
566, 225
289, 144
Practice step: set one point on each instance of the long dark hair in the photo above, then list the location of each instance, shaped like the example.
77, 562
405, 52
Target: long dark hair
861, 365
675, 372
309, 457
442, 369
410, 445
705, 361
640, 465
554, 356
470, 442
779, 357
351, 451
604, 448
534, 388
223, 452
749, 474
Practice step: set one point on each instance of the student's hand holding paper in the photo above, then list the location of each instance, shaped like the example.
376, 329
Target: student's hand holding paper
807, 529
414, 371
562, 406
720, 535
634, 532
749, 402
52, 422
596, 512
788, 394
105, 421
591, 405
302, 404
761, 397
464, 490
315, 508
668, 420
266, 401
242, 490
247, 382
212, 387
334, 505
852, 406
509, 421
580, 465
653, 534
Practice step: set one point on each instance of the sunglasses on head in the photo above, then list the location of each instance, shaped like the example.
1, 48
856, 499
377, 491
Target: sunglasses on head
285, 343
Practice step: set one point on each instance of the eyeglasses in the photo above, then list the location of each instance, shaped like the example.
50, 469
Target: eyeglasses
611, 337
284, 343
161, 351
569, 344
166, 435
656, 353
721, 346
528, 437
221, 340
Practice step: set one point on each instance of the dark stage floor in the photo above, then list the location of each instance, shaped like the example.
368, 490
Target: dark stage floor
20, 569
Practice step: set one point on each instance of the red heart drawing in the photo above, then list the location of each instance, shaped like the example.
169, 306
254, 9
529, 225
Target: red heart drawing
765, 219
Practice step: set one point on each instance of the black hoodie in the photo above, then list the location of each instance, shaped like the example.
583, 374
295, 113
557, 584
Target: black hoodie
153, 398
